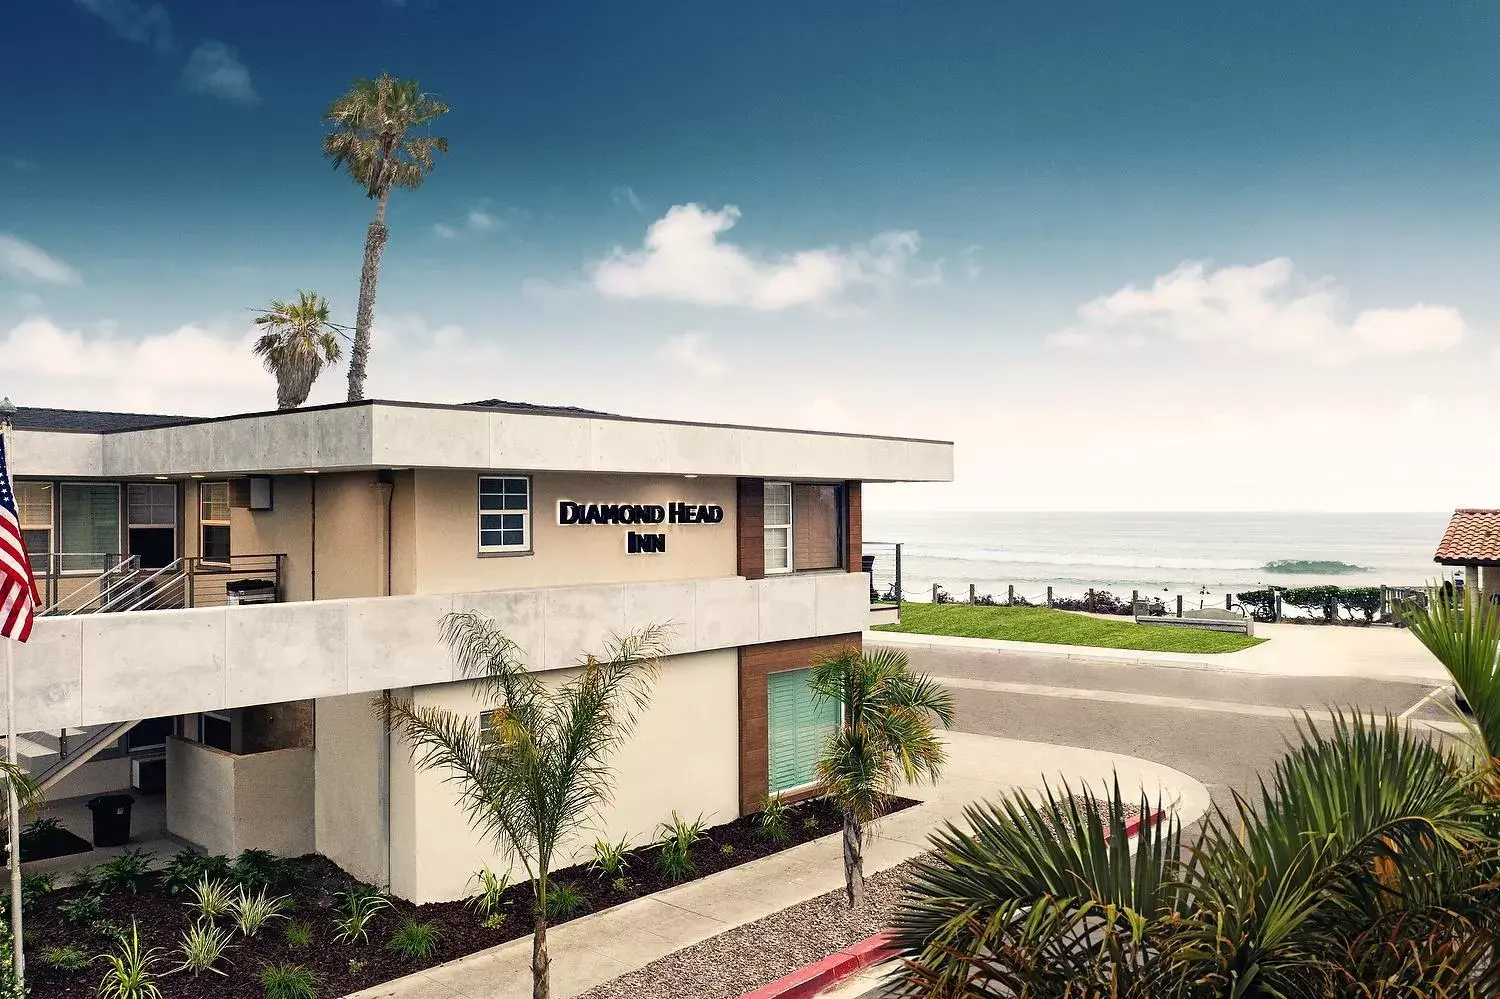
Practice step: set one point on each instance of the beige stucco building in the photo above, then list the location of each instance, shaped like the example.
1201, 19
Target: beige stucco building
156, 539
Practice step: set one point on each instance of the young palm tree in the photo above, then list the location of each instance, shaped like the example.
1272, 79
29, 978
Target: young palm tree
1465, 638
1367, 869
370, 140
541, 770
886, 737
297, 343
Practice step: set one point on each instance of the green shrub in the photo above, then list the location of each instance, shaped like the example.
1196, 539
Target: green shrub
126, 873
360, 907
34, 887
212, 898
68, 958
81, 910
252, 912
773, 822
677, 839
188, 867
620, 884
289, 981
129, 973
1366, 600
299, 936
415, 941
203, 944
727, 849
86, 880
255, 869
609, 858
490, 897
810, 823
562, 901
1319, 601
493, 921
1261, 604
108, 929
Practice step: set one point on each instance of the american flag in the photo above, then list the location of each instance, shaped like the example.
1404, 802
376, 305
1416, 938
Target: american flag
19, 598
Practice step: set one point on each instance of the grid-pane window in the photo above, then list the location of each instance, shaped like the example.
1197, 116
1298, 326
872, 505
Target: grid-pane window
152, 505
504, 513
797, 729
778, 526
213, 515
89, 519
34, 504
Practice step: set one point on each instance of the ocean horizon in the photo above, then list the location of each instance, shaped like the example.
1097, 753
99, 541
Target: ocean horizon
1201, 556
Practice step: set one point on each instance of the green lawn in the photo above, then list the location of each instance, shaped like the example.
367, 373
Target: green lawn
1054, 627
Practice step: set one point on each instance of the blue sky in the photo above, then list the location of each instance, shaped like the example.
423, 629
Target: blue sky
905, 218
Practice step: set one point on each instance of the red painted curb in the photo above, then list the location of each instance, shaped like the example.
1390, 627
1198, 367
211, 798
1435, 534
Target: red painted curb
805, 983
809, 981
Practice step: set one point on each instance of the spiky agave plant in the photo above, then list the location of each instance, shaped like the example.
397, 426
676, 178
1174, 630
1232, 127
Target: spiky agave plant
1465, 637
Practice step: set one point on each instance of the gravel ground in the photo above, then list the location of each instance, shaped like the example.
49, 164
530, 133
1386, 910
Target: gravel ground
749, 956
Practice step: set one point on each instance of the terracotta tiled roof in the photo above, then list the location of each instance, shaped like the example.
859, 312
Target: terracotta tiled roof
1473, 537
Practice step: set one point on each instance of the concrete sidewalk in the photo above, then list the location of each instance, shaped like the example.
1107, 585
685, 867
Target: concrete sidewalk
597, 948
1377, 653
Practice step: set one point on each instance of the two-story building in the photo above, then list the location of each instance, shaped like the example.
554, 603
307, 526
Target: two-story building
227, 597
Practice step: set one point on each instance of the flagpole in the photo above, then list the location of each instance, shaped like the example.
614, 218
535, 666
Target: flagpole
17, 946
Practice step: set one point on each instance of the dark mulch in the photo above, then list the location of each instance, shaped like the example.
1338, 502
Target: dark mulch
46, 843
312, 882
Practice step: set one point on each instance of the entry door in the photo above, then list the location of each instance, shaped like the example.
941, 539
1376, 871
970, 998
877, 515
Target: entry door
152, 527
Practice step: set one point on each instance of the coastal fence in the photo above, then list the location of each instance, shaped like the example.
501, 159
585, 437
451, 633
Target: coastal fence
882, 561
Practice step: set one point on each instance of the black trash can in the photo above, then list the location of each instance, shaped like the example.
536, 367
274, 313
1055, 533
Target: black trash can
111, 819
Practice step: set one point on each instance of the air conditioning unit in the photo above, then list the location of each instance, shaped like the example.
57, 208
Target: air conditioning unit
149, 775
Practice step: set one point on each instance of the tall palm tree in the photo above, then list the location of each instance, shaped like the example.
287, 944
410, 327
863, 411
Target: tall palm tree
541, 770
886, 736
297, 342
370, 140
1465, 637
1367, 869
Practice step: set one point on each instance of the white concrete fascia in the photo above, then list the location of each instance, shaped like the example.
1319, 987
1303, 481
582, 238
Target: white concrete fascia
387, 435
116, 667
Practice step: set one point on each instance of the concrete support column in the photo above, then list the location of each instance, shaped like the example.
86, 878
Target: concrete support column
1471, 582
1489, 581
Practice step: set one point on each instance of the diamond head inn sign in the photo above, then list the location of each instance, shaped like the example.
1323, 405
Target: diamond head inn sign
570, 514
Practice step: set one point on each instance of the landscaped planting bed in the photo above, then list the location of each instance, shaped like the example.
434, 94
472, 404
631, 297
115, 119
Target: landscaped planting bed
311, 935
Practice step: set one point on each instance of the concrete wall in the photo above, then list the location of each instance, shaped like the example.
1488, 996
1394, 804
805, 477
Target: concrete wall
101, 668
349, 806
286, 529
447, 533
684, 755
226, 803
376, 435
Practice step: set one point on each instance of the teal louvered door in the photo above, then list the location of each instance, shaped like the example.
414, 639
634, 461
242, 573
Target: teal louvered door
798, 727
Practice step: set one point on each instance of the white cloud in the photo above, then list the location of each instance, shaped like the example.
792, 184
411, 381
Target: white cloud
624, 195
684, 260
478, 220
1265, 308
690, 351
192, 369
443, 231
481, 221
28, 262
215, 70
134, 22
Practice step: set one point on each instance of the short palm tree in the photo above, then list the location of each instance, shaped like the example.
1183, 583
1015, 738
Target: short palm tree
371, 140
298, 341
1366, 869
541, 770
886, 736
1465, 637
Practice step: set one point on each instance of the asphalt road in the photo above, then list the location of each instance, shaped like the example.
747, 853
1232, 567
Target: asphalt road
1221, 728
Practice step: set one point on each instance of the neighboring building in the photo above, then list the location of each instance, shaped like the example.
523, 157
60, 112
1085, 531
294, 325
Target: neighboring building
1472, 542
366, 523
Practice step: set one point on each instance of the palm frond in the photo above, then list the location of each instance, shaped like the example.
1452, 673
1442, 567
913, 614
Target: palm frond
370, 133
1465, 637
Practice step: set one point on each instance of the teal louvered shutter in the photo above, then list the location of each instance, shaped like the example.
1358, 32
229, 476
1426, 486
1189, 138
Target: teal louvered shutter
798, 726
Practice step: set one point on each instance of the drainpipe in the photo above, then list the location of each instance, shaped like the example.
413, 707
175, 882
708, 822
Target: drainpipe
387, 488
312, 491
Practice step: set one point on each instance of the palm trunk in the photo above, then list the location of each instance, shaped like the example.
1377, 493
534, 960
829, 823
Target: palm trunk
854, 861
541, 979
369, 273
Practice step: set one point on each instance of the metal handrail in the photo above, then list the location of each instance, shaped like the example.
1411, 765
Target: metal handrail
107, 580
172, 569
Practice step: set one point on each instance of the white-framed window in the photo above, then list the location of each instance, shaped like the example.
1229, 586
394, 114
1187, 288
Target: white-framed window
213, 520
151, 522
489, 725
34, 504
778, 526
504, 514
89, 525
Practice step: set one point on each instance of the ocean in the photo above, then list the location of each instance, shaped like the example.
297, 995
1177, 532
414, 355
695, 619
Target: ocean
1201, 556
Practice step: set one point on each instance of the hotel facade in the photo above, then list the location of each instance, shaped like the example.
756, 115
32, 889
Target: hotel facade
227, 597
